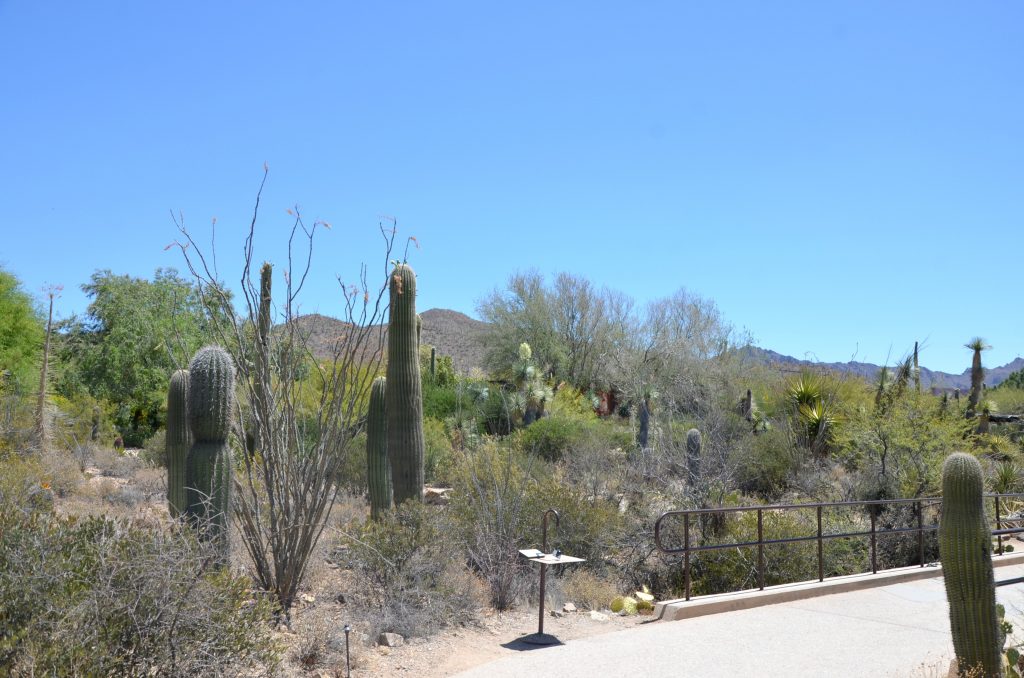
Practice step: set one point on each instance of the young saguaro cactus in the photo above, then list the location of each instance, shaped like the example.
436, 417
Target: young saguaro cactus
378, 469
404, 398
178, 442
211, 393
965, 548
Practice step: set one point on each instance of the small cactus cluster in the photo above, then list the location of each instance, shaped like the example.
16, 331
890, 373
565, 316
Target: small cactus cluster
199, 409
641, 602
965, 548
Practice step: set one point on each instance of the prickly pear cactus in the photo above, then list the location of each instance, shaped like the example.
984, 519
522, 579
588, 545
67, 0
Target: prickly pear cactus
211, 394
378, 470
965, 547
404, 395
178, 442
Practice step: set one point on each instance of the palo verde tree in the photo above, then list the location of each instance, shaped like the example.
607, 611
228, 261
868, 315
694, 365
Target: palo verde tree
134, 334
300, 413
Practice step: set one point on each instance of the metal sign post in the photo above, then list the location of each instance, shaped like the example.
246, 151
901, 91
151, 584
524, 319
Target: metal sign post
545, 559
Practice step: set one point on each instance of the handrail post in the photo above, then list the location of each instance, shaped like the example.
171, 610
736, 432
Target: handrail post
686, 554
760, 548
920, 533
821, 561
999, 526
874, 550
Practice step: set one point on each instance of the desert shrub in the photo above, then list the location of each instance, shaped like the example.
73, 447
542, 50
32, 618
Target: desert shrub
23, 485
61, 471
439, 401
97, 596
437, 453
409, 578
588, 590
155, 451
550, 437
496, 415
493, 518
352, 473
766, 466
588, 527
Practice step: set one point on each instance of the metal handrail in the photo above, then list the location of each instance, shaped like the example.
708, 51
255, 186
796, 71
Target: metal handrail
821, 536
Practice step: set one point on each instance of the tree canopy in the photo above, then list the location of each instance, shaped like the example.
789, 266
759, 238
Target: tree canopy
21, 332
134, 334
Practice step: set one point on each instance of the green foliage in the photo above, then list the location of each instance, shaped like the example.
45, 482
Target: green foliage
1013, 380
550, 437
965, 546
439, 401
135, 333
902, 447
21, 336
444, 368
437, 452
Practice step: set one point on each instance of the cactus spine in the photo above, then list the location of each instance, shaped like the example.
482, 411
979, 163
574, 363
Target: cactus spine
693, 441
378, 469
404, 398
178, 442
965, 547
211, 392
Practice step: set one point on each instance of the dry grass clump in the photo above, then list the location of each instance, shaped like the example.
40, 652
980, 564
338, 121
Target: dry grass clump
587, 590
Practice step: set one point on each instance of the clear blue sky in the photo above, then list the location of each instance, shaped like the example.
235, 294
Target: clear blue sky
841, 180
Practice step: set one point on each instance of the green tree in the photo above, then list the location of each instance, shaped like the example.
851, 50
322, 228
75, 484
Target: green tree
21, 334
135, 333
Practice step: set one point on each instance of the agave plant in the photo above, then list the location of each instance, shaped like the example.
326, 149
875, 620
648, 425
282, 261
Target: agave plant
820, 425
806, 390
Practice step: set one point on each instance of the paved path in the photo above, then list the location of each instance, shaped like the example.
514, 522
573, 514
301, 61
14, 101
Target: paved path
897, 631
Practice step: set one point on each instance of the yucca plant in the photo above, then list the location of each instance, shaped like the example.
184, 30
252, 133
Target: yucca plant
977, 373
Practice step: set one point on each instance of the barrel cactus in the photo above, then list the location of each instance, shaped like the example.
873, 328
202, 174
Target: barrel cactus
693, 442
178, 442
404, 399
378, 470
211, 394
965, 548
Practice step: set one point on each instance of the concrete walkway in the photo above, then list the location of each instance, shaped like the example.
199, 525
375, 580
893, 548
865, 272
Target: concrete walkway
899, 630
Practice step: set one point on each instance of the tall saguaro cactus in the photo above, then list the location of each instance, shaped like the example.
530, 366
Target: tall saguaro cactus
404, 392
211, 393
965, 547
178, 442
378, 469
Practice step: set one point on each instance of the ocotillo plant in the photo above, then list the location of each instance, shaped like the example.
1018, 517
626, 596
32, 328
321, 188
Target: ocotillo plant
211, 393
965, 547
693, 456
178, 442
404, 395
378, 470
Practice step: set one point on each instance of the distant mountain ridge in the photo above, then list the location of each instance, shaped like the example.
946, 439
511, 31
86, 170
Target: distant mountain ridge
457, 335
993, 376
